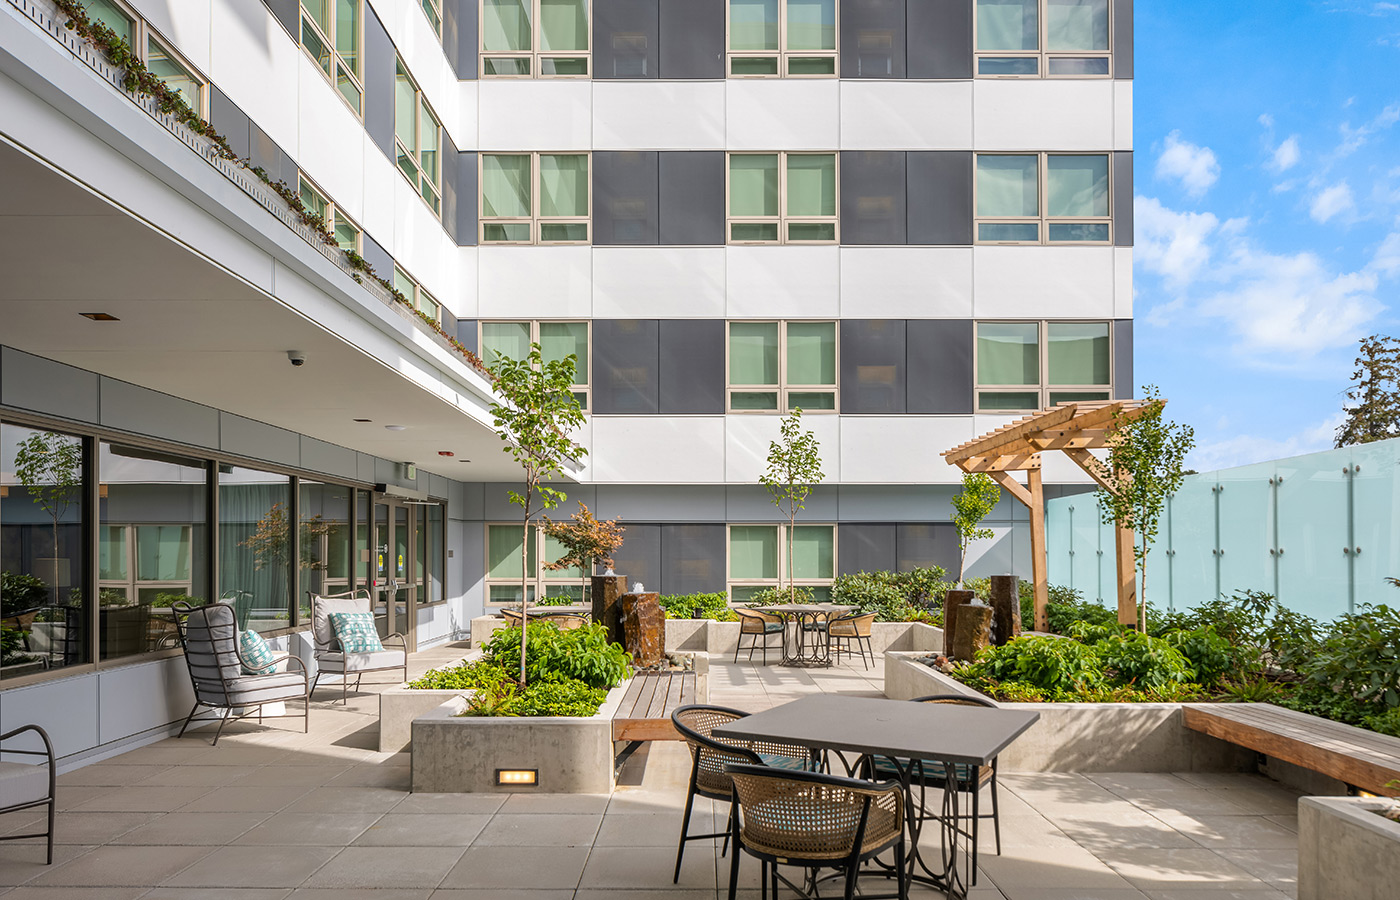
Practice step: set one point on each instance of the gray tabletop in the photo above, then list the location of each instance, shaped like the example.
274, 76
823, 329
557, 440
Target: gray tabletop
573, 609
803, 609
943, 731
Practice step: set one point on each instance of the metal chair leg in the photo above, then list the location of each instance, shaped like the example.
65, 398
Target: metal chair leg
685, 824
223, 720
996, 814
976, 813
52, 801
187, 720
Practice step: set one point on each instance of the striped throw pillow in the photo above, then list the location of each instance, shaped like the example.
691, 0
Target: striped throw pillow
257, 655
356, 632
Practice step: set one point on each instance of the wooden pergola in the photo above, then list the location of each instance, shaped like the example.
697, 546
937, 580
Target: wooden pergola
1074, 429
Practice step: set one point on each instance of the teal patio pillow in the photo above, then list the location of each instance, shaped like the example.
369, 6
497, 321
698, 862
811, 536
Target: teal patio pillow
356, 632
256, 654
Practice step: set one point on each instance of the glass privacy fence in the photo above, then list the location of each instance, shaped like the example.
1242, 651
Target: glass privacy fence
1316, 531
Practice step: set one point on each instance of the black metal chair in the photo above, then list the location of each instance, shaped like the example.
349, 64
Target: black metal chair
25, 786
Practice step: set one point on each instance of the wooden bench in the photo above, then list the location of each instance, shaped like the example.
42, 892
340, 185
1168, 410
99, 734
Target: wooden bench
645, 711
1361, 758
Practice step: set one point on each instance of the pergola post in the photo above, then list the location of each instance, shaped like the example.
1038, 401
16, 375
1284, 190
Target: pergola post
1039, 552
1127, 575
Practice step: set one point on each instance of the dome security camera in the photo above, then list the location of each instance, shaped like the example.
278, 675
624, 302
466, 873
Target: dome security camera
296, 357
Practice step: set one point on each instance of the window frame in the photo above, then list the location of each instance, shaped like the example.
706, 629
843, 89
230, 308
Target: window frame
1043, 55
535, 55
783, 388
434, 16
337, 62
1044, 388
536, 221
142, 33
782, 54
585, 389
539, 580
333, 214
420, 180
782, 219
730, 582
415, 298
1043, 220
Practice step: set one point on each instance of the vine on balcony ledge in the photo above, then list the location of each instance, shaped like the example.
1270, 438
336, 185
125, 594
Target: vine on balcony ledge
137, 79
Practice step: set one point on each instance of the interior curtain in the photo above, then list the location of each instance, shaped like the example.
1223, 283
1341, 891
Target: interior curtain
506, 25
1008, 353
503, 552
811, 353
347, 29
505, 186
559, 339
1007, 25
1007, 186
753, 353
753, 24
254, 551
1077, 24
753, 552
510, 339
563, 184
1078, 353
811, 24
564, 25
1078, 186
811, 187
405, 106
753, 184
813, 552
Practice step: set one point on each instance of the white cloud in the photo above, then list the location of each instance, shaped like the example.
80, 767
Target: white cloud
1354, 138
1286, 156
1245, 449
1171, 244
1195, 167
1332, 202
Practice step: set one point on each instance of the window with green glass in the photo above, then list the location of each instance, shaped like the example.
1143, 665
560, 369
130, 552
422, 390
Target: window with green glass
503, 567
163, 63
535, 198
759, 557
1043, 38
347, 233
330, 33
557, 340
433, 10
782, 198
1072, 208
1029, 366
781, 366
417, 136
417, 297
782, 38
535, 38
115, 17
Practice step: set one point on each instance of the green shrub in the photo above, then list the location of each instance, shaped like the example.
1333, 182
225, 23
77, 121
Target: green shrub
1143, 660
467, 676
1211, 656
1387, 722
21, 593
698, 606
778, 596
497, 693
556, 698
1360, 657
582, 654
1064, 607
1052, 664
557, 600
893, 596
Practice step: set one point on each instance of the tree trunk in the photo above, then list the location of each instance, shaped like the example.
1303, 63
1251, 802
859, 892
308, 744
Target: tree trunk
524, 587
792, 523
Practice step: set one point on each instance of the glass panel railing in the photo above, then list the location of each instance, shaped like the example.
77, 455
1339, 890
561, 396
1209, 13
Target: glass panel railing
1375, 498
1313, 519
1246, 532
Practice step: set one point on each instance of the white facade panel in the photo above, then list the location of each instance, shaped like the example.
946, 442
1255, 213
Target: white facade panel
906, 282
880, 114
421, 246
332, 147
255, 64
1122, 115
1045, 114
1057, 468
468, 116
66, 709
534, 282
658, 282
1043, 282
901, 449
658, 449
186, 25
421, 51
782, 114
462, 302
535, 114
797, 282
133, 699
1123, 282
658, 115
747, 439
382, 180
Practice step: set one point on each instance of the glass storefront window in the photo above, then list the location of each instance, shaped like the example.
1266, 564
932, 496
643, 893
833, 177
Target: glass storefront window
324, 511
255, 546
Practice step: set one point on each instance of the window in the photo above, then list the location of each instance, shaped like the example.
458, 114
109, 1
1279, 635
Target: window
254, 558
1034, 38
782, 198
347, 234
1029, 366
330, 32
503, 573
780, 366
557, 340
433, 10
417, 135
323, 514
1072, 209
416, 296
758, 559
514, 212
782, 38
534, 38
159, 57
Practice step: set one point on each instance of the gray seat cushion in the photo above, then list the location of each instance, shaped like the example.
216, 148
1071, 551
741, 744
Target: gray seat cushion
323, 632
360, 662
250, 690
22, 783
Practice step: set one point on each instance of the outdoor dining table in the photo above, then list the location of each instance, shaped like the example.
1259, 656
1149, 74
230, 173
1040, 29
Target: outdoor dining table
905, 734
572, 609
807, 617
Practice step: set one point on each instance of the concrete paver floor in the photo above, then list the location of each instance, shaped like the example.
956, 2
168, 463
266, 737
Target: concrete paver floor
271, 814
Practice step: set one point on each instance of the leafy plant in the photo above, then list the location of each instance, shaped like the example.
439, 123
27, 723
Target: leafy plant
1360, 657
1140, 659
1049, 663
586, 540
794, 468
777, 596
20, 592
581, 654
1255, 690
1210, 655
1066, 606
978, 497
49, 465
893, 596
698, 606
557, 698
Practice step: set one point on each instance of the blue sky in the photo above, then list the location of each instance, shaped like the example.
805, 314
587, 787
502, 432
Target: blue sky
1267, 139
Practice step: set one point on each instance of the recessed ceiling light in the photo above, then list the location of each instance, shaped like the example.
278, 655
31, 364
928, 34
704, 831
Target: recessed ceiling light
364, 420
100, 317
463, 460
395, 427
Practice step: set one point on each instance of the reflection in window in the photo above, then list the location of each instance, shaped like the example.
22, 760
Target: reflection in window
255, 546
324, 510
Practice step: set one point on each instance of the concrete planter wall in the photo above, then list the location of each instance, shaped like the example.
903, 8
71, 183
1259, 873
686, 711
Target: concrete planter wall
1346, 850
483, 627
457, 755
686, 634
400, 705
1085, 737
722, 638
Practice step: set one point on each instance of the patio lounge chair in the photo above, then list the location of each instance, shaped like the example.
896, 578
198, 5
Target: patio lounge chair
844, 630
331, 659
758, 626
25, 786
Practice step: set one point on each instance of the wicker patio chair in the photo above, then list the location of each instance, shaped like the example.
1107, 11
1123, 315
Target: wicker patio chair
814, 820
512, 617
332, 659
844, 630
562, 621
25, 786
709, 756
209, 636
758, 626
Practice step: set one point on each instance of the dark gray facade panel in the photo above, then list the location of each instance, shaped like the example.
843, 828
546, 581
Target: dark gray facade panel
258, 440
692, 367
468, 38
364, 462
873, 366
691, 197
286, 13
625, 197
466, 199
450, 35
451, 193
44, 386
466, 333
331, 459
142, 411
448, 321
940, 197
1123, 198
626, 357
874, 195
872, 38
692, 39
940, 366
692, 559
626, 39
229, 120
940, 39
639, 557
863, 547
924, 545
1123, 39
377, 257
266, 155
1123, 359
379, 84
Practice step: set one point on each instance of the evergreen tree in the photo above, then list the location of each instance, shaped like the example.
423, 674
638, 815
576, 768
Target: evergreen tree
1373, 408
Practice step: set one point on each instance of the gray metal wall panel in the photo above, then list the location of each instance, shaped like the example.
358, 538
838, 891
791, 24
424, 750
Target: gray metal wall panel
940, 366
1123, 39
496, 505
364, 463
229, 120
448, 321
331, 459
438, 486
1123, 359
466, 199
450, 35
265, 154
872, 38
626, 361
466, 333
922, 545
940, 197
258, 440
692, 39
873, 366
377, 257
626, 39
639, 557
692, 367
450, 194
895, 502
286, 13
1123, 198
379, 84
660, 503
874, 194
44, 386
468, 41
940, 39
691, 197
141, 411
625, 197
392, 471
753, 503
692, 559
865, 548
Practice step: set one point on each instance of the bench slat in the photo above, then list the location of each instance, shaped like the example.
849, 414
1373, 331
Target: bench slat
648, 716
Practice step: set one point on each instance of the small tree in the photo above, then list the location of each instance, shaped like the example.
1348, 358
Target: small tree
534, 413
1144, 468
49, 465
971, 505
1373, 411
586, 541
794, 468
